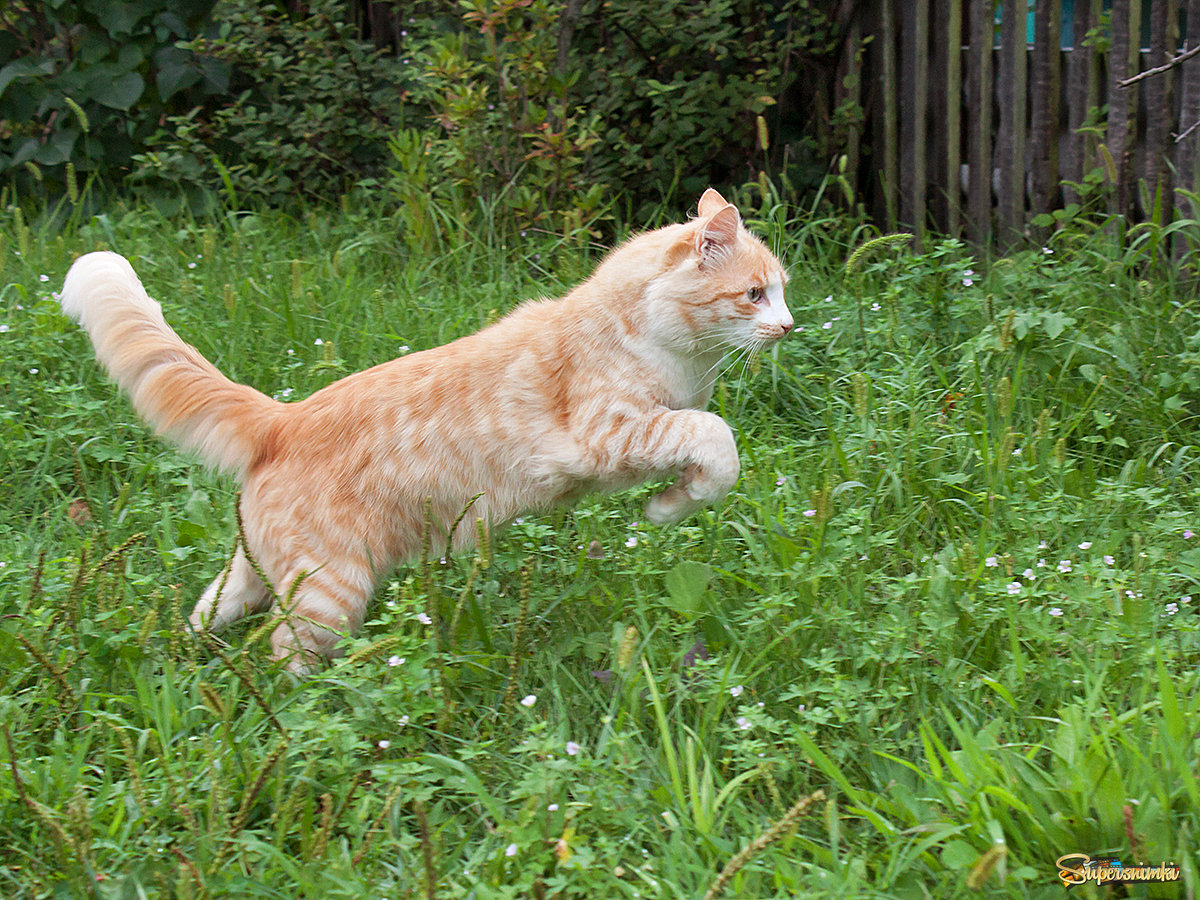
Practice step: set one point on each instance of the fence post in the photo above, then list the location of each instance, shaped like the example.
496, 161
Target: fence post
979, 194
914, 111
1164, 28
1010, 141
1047, 28
1189, 122
1122, 102
954, 100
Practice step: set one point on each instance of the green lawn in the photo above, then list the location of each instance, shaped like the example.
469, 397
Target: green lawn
951, 592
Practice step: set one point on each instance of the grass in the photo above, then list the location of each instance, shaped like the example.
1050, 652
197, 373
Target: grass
939, 635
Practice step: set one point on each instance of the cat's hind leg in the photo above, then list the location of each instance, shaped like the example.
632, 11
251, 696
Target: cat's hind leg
236, 592
321, 607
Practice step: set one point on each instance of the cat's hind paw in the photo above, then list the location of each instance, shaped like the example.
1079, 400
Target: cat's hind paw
670, 506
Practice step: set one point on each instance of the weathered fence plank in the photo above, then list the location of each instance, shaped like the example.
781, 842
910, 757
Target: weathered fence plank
953, 50
1082, 88
1012, 91
1187, 138
914, 109
1047, 27
1122, 105
1164, 17
979, 152
891, 104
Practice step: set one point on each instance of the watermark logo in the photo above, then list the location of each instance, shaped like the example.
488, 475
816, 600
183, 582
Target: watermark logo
1080, 868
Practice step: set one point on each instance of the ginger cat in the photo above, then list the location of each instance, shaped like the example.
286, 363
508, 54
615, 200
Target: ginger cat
599, 390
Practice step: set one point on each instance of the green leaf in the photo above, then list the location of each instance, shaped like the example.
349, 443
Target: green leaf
958, 855
1056, 322
175, 71
23, 68
58, 149
123, 92
686, 583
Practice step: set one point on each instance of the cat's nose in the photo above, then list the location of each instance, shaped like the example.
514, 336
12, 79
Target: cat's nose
786, 326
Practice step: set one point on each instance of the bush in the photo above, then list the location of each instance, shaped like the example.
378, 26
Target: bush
84, 82
549, 111
308, 111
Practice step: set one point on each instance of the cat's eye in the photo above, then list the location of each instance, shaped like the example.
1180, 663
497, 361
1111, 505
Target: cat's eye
756, 294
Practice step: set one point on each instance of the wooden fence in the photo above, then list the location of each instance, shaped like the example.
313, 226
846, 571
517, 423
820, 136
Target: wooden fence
978, 115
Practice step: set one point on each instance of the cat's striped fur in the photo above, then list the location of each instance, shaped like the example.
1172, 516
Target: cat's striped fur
599, 390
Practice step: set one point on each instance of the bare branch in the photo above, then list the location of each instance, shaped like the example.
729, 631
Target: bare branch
1190, 129
1165, 67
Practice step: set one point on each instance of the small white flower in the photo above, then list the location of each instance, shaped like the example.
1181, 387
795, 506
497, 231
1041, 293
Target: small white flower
969, 272
383, 745
1172, 608
394, 661
43, 278
191, 265
761, 703
1186, 598
1042, 545
829, 299
510, 850
991, 562
284, 394
573, 748
1064, 566
33, 371
1041, 564
318, 342
631, 541
967, 282
424, 619
403, 720
827, 325
3, 329
1014, 587
553, 807
1055, 611
809, 513
1188, 535
1085, 545
528, 700
1108, 560
875, 307
404, 348
736, 690
1047, 251
1028, 574
780, 481
743, 723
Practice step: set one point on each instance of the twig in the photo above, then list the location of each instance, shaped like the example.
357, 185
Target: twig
1190, 129
1165, 67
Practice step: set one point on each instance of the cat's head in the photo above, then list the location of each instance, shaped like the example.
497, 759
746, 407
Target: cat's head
720, 285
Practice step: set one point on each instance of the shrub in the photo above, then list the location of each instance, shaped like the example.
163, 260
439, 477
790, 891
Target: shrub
85, 82
308, 111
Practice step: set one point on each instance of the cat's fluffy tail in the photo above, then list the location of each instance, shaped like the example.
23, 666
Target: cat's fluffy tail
179, 392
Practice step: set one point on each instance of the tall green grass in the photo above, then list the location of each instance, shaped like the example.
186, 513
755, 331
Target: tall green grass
950, 592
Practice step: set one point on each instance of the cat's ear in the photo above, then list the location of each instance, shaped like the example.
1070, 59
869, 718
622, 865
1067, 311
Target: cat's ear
710, 202
718, 236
